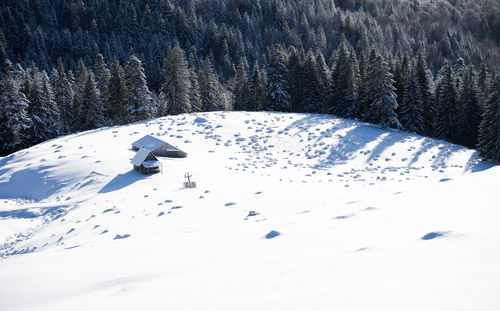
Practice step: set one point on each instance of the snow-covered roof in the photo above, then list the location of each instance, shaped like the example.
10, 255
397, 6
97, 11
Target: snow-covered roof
142, 156
148, 142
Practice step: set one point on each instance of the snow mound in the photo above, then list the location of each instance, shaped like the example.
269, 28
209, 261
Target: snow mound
80, 229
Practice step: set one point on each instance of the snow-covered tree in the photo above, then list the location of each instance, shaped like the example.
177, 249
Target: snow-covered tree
380, 90
212, 92
258, 88
424, 80
278, 98
140, 100
42, 110
14, 119
489, 129
310, 101
242, 89
177, 85
411, 107
92, 109
343, 99
118, 94
63, 96
447, 106
470, 115
194, 91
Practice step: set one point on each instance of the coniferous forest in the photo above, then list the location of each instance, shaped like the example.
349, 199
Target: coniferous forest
424, 66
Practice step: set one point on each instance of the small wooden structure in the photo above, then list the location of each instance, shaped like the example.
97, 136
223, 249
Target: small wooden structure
146, 162
158, 147
189, 183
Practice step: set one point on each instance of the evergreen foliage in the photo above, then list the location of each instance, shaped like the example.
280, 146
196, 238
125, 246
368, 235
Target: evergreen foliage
470, 116
343, 96
211, 91
489, 129
14, 119
278, 98
118, 94
140, 100
177, 86
380, 89
242, 89
447, 106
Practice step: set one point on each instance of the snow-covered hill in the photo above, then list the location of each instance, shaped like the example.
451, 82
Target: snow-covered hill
291, 212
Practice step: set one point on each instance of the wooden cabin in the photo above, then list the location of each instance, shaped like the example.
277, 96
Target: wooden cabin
158, 147
146, 162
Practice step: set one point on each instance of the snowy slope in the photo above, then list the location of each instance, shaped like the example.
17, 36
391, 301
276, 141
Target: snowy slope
291, 212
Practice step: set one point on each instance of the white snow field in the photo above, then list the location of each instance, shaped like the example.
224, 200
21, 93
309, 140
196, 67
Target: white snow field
291, 212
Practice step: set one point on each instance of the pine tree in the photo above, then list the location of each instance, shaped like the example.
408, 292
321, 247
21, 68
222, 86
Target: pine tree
14, 119
470, 116
42, 109
411, 110
324, 82
194, 91
140, 100
447, 106
310, 101
63, 96
343, 99
177, 85
401, 74
278, 98
294, 80
489, 129
258, 88
424, 83
78, 86
102, 75
212, 93
380, 90
117, 94
242, 89
92, 108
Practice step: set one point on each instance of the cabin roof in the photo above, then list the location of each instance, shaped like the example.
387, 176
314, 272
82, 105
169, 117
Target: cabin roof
149, 142
144, 157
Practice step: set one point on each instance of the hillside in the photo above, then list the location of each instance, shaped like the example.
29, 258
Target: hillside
291, 212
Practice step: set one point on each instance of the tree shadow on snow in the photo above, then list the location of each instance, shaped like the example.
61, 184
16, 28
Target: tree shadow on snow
121, 181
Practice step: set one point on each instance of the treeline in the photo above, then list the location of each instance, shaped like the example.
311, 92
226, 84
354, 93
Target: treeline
427, 67
226, 30
461, 105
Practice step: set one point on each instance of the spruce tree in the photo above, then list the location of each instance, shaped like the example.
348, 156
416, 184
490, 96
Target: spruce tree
63, 96
425, 85
447, 106
92, 108
278, 98
102, 75
42, 109
470, 115
258, 88
380, 91
310, 101
117, 94
194, 91
78, 86
324, 82
489, 128
294, 80
242, 89
343, 99
140, 100
177, 85
411, 110
14, 119
211, 91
